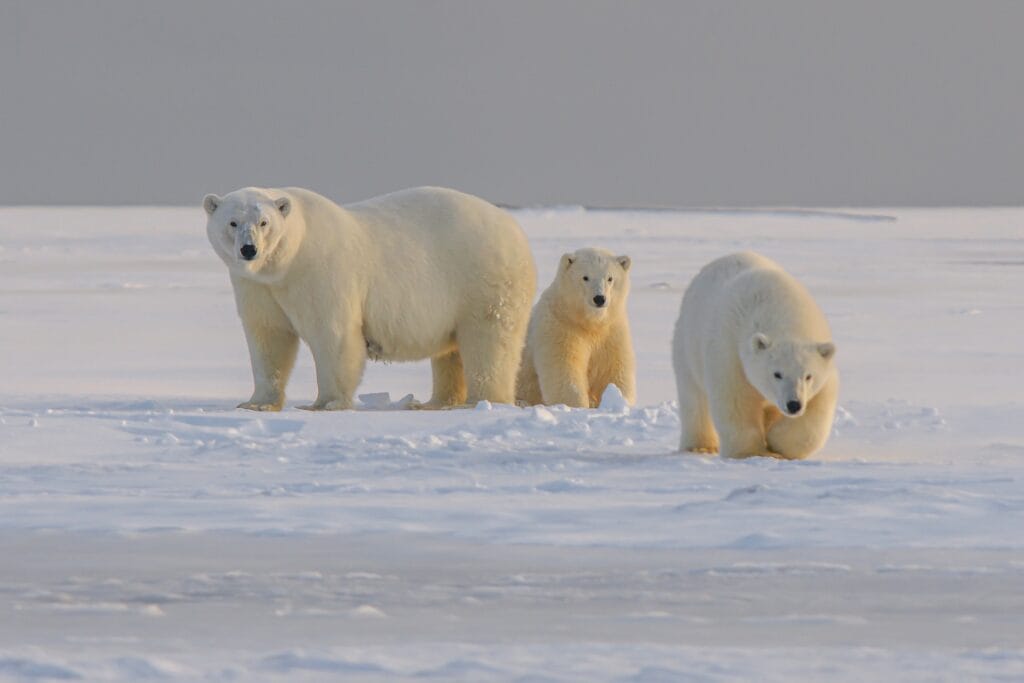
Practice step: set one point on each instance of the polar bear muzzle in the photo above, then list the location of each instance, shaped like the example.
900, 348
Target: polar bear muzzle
248, 252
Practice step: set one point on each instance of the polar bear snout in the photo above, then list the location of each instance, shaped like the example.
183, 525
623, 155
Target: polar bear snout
794, 407
247, 237
600, 300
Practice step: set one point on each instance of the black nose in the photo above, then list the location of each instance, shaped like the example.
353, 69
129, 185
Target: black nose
793, 407
248, 252
599, 300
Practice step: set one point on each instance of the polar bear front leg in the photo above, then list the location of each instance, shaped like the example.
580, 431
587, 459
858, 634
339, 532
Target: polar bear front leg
272, 352
796, 438
339, 364
449, 381
562, 365
617, 365
273, 344
737, 411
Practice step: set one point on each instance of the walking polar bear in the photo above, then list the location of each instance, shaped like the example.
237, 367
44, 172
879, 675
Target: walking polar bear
753, 359
421, 273
578, 340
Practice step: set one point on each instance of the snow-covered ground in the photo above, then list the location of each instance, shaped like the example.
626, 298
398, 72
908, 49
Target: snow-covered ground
149, 530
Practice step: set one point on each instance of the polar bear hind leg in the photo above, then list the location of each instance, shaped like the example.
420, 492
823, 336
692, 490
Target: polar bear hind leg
449, 382
490, 359
699, 435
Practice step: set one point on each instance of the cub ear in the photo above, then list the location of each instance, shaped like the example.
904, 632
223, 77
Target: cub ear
625, 262
827, 350
760, 342
210, 203
284, 205
567, 260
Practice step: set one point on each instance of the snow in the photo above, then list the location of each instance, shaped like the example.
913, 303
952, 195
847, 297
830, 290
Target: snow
150, 531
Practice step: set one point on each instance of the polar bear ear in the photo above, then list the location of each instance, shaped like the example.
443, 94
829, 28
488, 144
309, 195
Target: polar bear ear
567, 260
760, 342
624, 261
284, 205
827, 350
210, 203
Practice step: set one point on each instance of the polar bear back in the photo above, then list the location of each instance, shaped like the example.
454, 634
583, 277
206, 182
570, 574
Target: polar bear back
407, 234
735, 296
439, 257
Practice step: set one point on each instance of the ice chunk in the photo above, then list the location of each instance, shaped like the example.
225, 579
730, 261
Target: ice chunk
378, 401
612, 401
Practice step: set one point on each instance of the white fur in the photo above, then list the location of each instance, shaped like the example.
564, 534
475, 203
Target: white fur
422, 273
575, 349
743, 319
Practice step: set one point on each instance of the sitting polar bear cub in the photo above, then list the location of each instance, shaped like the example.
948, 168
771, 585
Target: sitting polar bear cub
421, 273
754, 362
578, 340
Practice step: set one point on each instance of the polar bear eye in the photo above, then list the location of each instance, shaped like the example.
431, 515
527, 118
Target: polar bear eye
263, 224
586, 279
234, 224
609, 279
808, 378
778, 375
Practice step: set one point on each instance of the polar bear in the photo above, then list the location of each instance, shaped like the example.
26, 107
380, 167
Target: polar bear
578, 340
753, 358
420, 273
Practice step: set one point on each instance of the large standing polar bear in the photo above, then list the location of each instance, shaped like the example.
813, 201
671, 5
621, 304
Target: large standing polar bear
421, 273
753, 357
578, 341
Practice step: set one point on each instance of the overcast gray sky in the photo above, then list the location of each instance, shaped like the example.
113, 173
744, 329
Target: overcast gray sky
602, 103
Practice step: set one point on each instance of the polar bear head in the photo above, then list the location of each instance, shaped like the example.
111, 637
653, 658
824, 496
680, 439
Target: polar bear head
593, 283
250, 231
787, 372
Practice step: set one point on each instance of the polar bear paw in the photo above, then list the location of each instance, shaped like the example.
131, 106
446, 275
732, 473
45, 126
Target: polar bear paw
436, 405
260, 406
336, 404
757, 454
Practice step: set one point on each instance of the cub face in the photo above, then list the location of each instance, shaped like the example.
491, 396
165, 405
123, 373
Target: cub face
593, 281
249, 230
788, 373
